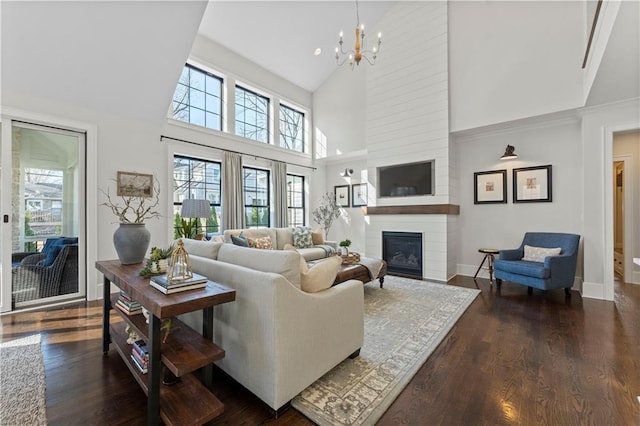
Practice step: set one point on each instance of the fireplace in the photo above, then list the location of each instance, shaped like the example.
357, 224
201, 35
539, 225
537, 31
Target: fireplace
403, 253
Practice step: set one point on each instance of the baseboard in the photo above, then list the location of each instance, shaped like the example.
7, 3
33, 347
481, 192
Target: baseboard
470, 271
594, 291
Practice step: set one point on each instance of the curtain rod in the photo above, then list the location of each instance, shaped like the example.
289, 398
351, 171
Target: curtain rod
235, 152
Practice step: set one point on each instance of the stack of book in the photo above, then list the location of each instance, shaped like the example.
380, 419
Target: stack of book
160, 282
140, 356
127, 305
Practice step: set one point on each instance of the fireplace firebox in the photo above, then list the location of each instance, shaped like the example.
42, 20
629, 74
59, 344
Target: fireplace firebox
403, 253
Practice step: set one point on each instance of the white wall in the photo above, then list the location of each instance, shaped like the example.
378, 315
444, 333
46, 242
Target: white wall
351, 225
502, 226
339, 107
514, 59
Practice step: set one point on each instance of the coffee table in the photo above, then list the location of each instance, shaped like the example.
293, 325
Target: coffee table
355, 271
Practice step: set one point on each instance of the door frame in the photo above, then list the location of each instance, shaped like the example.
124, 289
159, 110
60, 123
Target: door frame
88, 196
629, 213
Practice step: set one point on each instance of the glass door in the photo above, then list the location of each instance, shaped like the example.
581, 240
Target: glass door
46, 218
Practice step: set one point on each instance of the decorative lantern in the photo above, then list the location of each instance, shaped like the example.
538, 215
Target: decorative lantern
180, 266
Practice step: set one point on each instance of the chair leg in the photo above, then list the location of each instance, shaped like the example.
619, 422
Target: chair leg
529, 291
498, 282
567, 292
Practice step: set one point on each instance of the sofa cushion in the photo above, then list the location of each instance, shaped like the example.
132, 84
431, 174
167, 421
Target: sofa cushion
284, 236
537, 254
523, 267
302, 237
263, 243
200, 248
313, 253
321, 275
281, 262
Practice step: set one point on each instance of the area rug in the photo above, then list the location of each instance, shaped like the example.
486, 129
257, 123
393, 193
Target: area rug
404, 323
22, 382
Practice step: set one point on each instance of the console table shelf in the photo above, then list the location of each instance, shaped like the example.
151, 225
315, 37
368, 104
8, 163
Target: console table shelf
184, 350
188, 401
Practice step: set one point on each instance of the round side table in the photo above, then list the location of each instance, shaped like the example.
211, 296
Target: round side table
488, 255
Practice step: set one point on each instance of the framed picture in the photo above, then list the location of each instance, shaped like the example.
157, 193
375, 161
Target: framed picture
359, 194
134, 184
532, 184
342, 195
490, 187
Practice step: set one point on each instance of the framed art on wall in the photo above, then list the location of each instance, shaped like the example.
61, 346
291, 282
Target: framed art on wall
359, 194
131, 184
342, 195
532, 184
490, 187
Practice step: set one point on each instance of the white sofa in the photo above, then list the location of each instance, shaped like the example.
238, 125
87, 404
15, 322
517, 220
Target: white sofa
283, 236
278, 339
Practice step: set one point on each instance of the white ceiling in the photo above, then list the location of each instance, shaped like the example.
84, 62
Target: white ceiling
281, 36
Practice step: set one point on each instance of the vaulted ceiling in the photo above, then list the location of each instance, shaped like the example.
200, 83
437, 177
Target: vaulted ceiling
282, 36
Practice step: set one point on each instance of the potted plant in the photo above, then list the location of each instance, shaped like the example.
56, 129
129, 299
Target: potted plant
131, 239
345, 246
158, 261
326, 212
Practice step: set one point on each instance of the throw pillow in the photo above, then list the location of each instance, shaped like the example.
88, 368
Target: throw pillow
302, 237
263, 243
240, 240
537, 254
321, 275
316, 237
303, 263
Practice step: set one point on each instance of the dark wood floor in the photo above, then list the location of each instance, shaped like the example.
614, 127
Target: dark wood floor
512, 359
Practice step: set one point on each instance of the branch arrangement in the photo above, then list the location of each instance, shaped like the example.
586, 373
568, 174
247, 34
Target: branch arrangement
135, 209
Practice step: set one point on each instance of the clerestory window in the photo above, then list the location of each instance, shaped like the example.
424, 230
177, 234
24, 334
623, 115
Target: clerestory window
198, 98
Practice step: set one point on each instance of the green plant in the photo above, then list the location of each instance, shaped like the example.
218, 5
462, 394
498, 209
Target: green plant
345, 243
326, 212
156, 255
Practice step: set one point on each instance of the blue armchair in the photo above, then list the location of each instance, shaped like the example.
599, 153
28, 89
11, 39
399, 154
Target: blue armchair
540, 266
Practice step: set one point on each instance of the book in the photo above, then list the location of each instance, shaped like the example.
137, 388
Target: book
142, 360
177, 289
143, 369
127, 310
140, 347
164, 281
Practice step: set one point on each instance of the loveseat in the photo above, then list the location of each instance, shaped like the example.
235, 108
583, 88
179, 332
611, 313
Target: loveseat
278, 338
280, 237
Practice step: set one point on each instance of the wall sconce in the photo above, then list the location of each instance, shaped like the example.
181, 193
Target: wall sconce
347, 173
509, 153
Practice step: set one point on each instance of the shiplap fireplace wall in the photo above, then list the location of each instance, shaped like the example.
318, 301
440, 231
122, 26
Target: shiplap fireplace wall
407, 120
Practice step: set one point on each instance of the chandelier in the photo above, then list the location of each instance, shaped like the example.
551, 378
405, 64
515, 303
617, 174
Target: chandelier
355, 56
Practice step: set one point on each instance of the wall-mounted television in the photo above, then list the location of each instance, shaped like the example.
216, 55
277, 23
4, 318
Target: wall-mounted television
406, 180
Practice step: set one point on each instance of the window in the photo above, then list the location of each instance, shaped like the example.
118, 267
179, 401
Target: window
295, 200
252, 115
256, 198
198, 98
43, 202
291, 129
195, 178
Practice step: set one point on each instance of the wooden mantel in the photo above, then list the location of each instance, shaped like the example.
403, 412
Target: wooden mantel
452, 209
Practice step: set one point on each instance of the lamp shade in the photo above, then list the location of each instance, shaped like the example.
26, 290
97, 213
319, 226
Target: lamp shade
195, 208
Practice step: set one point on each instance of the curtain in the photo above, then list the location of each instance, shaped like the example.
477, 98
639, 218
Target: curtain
232, 193
280, 210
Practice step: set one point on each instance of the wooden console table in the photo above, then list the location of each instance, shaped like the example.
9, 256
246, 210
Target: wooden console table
184, 351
